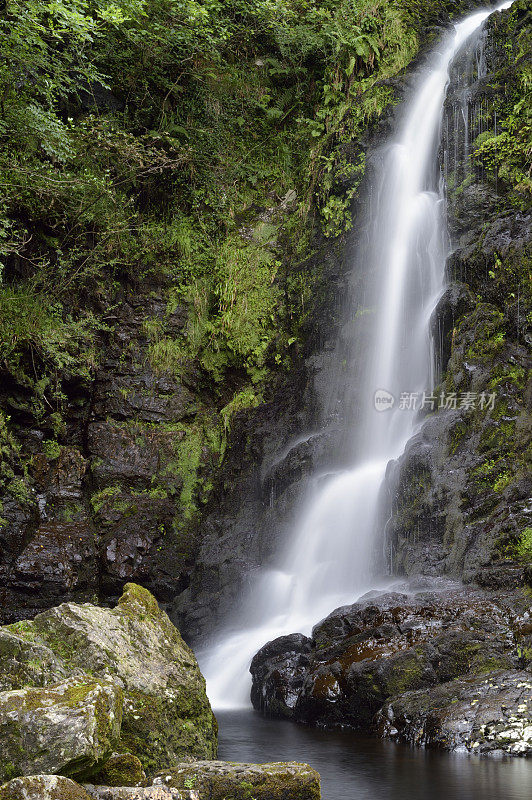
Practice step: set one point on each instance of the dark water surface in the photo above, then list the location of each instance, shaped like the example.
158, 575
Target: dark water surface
359, 768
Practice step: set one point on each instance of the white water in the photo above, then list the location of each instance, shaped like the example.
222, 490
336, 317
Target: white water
329, 561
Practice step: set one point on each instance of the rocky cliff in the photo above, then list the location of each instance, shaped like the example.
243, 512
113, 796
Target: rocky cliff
461, 492
458, 497
173, 284
436, 663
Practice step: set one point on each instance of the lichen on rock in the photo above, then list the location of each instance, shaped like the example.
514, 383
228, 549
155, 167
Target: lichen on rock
43, 787
219, 780
68, 727
484, 715
137, 653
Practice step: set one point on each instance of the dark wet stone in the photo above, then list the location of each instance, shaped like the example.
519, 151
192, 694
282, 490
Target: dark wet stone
386, 644
278, 671
488, 714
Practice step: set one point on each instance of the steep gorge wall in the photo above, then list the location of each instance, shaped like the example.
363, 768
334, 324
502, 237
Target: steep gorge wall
170, 476
461, 493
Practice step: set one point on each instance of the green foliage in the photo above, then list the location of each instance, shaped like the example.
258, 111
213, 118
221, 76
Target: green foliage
506, 151
524, 546
51, 449
157, 143
103, 497
247, 298
247, 398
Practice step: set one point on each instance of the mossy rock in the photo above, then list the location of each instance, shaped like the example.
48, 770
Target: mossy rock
70, 727
43, 787
123, 769
219, 780
26, 663
167, 716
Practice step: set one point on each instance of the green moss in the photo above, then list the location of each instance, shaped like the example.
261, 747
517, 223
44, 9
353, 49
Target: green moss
51, 449
504, 153
524, 546
159, 732
498, 436
276, 781
492, 474
407, 675
168, 355
24, 628
121, 770
103, 497
247, 398
136, 598
457, 435
10, 771
489, 337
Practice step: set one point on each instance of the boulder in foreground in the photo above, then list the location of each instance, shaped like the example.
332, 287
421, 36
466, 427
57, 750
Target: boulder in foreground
69, 727
43, 787
166, 714
218, 780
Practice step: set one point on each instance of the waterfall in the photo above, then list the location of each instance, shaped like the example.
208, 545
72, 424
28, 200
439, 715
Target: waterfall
329, 560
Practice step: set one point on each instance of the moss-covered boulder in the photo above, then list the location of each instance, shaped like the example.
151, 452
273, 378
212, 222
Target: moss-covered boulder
219, 780
43, 787
166, 714
123, 769
69, 727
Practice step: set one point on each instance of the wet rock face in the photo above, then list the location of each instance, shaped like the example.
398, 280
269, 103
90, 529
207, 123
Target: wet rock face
460, 492
489, 715
57, 557
278, 671
380, 647
101, 511
219, 780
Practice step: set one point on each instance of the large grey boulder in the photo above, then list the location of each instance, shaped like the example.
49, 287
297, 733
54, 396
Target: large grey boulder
69, 727
220, 780
166, 714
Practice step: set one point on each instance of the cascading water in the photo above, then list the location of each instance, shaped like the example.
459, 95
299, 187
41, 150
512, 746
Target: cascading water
329, 561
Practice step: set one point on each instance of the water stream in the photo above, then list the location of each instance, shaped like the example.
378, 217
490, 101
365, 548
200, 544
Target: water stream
354, 767
329, 560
